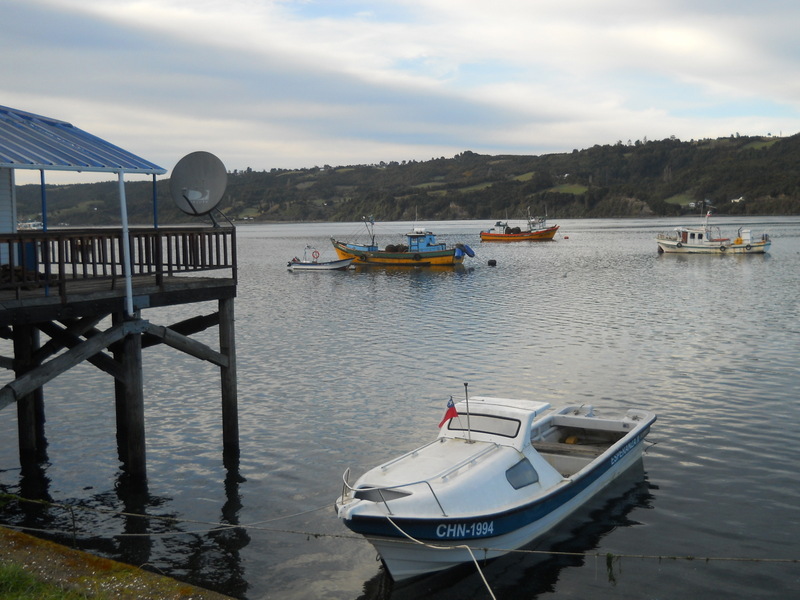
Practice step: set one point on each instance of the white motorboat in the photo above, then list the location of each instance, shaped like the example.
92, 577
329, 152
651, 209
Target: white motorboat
706, 239
313, 263
500, 474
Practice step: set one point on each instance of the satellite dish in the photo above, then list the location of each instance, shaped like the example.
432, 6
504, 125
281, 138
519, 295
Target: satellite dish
197, 183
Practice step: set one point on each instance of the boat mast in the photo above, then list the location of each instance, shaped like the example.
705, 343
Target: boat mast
369, 223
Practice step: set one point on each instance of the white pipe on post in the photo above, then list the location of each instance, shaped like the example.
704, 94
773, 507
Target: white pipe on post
126, 247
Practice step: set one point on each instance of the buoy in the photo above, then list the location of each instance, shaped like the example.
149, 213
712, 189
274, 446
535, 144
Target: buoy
492, 263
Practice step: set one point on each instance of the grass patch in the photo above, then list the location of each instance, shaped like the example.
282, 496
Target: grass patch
525, 176
18, 584
680, 199
569, 188
475, 188
760, 145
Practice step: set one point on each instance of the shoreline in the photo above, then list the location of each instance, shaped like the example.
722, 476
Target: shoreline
92, 575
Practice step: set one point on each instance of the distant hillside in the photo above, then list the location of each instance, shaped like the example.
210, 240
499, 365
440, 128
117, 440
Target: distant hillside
737, 175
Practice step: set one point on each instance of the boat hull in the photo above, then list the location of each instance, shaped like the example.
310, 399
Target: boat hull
677, 247
361, 256
539, 235
405, 559
333, 265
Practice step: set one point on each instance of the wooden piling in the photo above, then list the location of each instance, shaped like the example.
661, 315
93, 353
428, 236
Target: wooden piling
230, 401
30, 411
132, 401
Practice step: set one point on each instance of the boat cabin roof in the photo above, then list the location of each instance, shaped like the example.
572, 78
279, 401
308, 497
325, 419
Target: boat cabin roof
504, 421
419, 231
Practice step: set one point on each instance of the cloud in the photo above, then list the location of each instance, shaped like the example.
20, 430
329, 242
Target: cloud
301, 83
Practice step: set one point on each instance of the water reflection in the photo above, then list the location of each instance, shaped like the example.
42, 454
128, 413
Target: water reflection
130, 524
537, 573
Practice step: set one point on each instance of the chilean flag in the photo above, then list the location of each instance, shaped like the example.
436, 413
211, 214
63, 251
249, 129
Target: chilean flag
451, 412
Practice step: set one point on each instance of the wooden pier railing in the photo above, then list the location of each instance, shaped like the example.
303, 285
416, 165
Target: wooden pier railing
31, 260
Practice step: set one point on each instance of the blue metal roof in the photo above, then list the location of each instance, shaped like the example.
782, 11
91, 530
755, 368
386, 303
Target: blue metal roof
29, 141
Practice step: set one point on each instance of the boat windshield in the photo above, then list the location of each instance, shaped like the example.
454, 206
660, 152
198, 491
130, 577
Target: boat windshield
478, 423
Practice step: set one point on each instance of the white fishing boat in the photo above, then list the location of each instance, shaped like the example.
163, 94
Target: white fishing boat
501, 473
313, 263
707, 239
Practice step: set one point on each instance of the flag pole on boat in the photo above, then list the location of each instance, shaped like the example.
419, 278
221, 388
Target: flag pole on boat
469, 430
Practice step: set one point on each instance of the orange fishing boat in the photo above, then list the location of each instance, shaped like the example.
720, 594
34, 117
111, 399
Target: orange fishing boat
537, 230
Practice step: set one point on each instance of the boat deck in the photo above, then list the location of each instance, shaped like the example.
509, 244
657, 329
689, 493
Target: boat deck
588, 450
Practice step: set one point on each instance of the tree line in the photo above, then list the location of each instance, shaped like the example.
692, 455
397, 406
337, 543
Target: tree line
734, 175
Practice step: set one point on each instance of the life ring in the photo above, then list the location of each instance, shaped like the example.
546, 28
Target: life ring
315, 254
748, 247
417, 257
679, 245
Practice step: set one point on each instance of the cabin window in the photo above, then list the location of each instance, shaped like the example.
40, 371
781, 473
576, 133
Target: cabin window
486, 424
522, 474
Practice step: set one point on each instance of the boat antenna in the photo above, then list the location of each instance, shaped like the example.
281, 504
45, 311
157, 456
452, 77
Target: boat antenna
469, 430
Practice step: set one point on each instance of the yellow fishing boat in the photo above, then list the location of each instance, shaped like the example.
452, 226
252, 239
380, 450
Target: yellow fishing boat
420, 250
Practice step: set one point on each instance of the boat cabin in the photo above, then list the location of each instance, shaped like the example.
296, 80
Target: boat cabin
420, 240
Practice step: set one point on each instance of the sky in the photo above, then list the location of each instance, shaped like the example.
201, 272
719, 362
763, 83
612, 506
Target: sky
289, 84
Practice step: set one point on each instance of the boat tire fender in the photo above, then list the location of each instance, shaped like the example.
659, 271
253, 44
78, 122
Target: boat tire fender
466, 250
722, 248
417, 257
748, 247
679, 245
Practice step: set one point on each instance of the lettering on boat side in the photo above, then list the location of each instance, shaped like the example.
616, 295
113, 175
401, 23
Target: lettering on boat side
625, 449
461, 530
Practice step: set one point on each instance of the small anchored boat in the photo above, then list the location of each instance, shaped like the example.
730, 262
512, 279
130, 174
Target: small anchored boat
501, 473
420, 250
707, 239
313, 264
536, 230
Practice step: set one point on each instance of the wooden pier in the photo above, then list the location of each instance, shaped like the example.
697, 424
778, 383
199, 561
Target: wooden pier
73, 287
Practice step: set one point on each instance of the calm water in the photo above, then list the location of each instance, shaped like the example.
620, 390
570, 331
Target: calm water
348, 369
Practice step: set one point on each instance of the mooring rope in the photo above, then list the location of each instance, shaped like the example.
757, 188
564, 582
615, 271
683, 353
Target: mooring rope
213, 526
434, 547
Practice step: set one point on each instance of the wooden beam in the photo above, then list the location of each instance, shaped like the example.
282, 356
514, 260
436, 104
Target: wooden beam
187, 345
45, 372
186, 327
75, 327
66, 339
